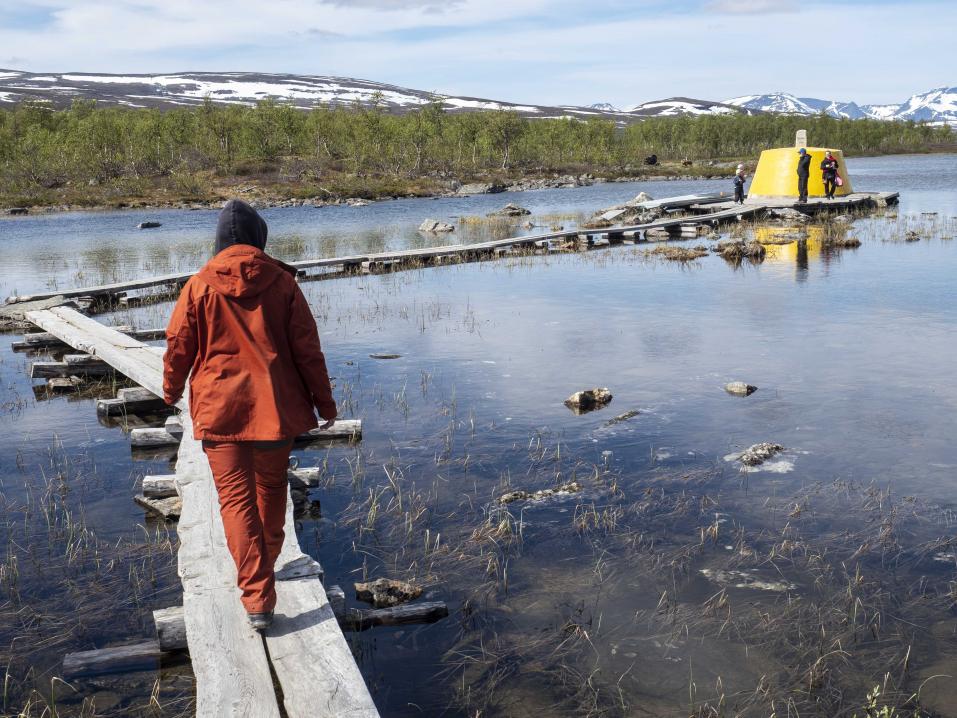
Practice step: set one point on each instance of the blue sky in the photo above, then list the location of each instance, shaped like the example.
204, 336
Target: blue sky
540, 51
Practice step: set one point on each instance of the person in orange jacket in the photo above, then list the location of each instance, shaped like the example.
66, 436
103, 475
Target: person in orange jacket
243, 333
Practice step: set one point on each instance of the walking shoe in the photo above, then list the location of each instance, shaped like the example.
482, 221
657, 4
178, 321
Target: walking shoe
260, 621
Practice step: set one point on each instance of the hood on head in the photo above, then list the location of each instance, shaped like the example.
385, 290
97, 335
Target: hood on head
243, 271
240, 224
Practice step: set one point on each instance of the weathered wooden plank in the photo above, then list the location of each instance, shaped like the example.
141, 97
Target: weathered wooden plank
229, 658
328, 683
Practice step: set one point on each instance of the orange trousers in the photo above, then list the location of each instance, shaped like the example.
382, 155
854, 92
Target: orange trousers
251, 479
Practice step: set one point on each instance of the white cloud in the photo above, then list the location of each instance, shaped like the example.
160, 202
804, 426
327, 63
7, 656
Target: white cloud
751, 7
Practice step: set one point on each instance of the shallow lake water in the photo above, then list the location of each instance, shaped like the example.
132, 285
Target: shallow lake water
672, 583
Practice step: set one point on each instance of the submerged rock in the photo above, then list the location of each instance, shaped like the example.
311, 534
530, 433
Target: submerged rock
385, 592
510, 210
745, 579
790, 214
385, 356
573, 487
740, 388
622, 417
149, 225
759, 453
587, 400
434, 225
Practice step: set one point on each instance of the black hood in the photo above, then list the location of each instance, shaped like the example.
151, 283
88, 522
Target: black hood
240, 224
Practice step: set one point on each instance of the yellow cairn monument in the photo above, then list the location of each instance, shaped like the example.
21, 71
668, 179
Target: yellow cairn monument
776, 175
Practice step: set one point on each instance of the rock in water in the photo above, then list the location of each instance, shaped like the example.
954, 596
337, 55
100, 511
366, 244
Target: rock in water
642, 197
587, 400
740, 388
385, 592
568, 489
149, 225
789, 214
759, 453
510, 210
434, 225
480, 188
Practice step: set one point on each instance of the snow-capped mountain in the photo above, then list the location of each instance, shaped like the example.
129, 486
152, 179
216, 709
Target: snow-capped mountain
937, 106
673, 106
192, 88
245, 88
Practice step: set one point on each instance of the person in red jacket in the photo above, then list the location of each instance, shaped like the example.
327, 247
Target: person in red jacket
243, 333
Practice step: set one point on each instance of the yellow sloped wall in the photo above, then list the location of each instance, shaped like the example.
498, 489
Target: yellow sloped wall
776, 175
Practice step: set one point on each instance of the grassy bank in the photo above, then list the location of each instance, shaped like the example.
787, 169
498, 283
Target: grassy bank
88, 156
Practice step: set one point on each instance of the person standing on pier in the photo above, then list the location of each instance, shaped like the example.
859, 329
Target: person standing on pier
739, 179
803, 173
829, 174
243, 333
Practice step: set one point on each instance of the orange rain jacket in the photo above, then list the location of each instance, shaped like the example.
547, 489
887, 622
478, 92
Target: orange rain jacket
244, 329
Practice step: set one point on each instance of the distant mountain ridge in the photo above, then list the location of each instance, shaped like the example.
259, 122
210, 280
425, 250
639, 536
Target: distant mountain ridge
938, 105
192, 88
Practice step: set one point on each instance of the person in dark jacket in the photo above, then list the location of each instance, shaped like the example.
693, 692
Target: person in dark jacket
803, 172
739, 179
829, 174
243, 333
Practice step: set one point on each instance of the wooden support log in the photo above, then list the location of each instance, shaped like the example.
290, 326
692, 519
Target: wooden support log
139, 656
135, 400
171, 622
361, 619
170, 628
159, 487
45, 340
67, 383
169, 508
337, 599
305, 478
172, 432
72, 365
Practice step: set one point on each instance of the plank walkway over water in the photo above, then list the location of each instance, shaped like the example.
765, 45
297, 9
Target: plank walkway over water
715, 213
305, 648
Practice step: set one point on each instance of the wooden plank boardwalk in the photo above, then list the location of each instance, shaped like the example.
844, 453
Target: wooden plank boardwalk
713, 213
233, 664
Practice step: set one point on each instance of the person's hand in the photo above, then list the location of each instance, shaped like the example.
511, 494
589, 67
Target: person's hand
328, 425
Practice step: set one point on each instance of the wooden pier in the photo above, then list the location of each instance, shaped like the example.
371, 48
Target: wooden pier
711, 212
233, 664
